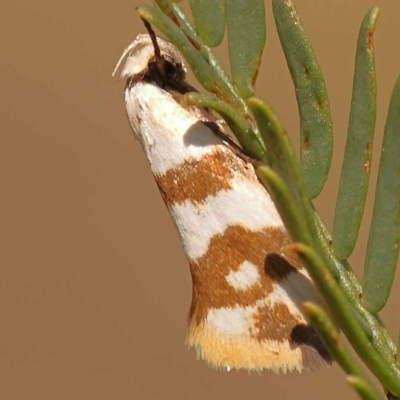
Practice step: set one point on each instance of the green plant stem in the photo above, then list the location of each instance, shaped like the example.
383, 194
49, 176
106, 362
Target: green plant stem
388, 375
363, 388
331, 338
359, 330
277, 187
282, 159
353, 292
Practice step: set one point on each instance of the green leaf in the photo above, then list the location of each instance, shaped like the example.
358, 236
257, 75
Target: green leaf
246, 40
316, 133
177, 16
224, 88
357, 159
283, 161
249, 139
281, 157
280, 193
228, 92
364, 389
175, 13
383, 241
331, 338
167, 7
209, 18
280, 153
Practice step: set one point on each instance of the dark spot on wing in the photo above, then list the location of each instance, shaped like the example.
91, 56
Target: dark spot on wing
277, 268
305, 336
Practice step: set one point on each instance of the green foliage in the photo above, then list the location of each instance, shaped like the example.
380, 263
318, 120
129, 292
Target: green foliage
263, 137
209, 18
363, 388
344, 316
331, 339
357, 159
316, 135
383, 242
280, 192
279, 148
245, 19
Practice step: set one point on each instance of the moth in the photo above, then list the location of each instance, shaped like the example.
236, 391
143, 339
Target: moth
246, 310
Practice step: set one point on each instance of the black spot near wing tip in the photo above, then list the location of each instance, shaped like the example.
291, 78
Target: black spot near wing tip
303, 334
277, 268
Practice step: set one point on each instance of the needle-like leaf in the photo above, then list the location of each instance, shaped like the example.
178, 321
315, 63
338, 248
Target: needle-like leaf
280, 153
357, 159
332, 341
364, 389
384, 237
209, 18
316, 135
246, 40
283, 199
282, 159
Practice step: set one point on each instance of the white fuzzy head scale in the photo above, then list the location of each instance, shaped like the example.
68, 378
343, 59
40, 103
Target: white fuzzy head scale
139, 53
246, 310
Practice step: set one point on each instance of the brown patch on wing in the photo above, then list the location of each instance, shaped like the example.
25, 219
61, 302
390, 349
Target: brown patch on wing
195, 180
274, 320
277, 267
226, 252
275, 323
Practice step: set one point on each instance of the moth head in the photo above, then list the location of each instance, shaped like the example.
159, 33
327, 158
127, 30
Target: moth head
140, 55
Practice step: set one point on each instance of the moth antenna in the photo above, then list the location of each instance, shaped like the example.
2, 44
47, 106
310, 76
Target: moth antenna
160, 61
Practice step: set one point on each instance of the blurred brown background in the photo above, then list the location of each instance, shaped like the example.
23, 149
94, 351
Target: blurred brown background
94, 284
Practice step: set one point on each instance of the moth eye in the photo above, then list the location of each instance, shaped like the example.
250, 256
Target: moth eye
179, 73
173, 69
